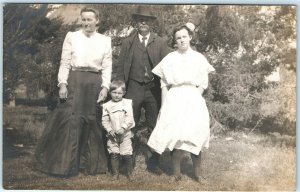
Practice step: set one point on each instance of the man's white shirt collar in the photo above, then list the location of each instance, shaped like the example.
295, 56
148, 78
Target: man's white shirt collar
147, 36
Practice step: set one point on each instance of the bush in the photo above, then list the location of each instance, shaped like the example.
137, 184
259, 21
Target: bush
278, 107
32, 102
25, 123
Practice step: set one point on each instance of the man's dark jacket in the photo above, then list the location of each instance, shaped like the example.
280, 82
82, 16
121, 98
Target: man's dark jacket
157, 49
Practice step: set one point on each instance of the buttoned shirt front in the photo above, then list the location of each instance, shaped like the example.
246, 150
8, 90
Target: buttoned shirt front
117, 115
146, 40
80, 51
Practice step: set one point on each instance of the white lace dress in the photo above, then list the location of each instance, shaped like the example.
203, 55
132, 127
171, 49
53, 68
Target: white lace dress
183, 122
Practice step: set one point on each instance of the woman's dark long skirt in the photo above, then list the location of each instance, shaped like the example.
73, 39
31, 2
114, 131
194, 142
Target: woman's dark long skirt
73, 138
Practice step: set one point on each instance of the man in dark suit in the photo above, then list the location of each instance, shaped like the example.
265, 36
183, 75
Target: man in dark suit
140, 53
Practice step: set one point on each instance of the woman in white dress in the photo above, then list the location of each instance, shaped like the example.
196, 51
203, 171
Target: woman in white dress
183, 122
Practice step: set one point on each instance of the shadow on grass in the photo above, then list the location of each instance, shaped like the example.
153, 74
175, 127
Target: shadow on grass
10, 148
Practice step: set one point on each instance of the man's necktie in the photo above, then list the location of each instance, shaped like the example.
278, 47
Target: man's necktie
144, 41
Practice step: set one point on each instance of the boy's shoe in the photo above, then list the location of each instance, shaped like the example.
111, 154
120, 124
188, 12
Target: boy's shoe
176, 178
129, 177
115, 177
201, 179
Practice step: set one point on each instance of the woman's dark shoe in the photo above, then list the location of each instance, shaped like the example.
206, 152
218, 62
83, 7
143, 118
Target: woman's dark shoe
155, 169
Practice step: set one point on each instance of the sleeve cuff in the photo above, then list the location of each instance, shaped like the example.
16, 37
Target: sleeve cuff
106, 86
58, 85
124, 125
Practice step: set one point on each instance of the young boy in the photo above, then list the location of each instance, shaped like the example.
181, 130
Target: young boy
117, 120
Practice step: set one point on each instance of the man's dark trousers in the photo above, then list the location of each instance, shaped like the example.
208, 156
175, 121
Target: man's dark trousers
144, 96
147, 96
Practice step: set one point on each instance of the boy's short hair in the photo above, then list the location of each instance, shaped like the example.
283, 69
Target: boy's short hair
115, 84
90, 9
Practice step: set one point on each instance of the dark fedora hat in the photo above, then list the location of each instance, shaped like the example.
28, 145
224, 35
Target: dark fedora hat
143, 11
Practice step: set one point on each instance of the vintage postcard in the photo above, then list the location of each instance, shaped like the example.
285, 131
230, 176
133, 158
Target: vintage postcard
198, 97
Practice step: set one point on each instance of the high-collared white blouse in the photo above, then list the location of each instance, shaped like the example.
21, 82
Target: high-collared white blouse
92, 52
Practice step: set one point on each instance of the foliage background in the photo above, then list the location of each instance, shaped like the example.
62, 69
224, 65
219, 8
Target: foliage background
245, 44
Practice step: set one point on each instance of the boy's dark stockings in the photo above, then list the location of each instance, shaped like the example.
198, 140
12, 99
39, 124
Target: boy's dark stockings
129, 166
115, 158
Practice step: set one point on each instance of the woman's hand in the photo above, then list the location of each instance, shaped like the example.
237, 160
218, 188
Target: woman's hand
63, 91
201, 90
164, 91
102, 95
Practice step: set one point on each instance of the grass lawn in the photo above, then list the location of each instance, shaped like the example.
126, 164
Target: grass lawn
235, 161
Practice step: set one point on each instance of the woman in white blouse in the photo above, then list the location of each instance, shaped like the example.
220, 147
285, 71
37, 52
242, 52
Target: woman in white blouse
72, 140
183, 123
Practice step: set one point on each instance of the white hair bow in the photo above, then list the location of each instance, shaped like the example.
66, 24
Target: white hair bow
190, 25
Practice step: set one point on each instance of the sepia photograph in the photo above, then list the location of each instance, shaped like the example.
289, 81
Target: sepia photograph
149, 97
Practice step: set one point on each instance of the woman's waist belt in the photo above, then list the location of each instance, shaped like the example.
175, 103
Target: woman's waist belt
185, 85
86, 69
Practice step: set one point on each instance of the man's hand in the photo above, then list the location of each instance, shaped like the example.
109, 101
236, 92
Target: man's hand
102, 95
63, 91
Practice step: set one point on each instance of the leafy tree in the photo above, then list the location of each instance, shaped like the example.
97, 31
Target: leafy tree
278, 101
32, 48
19, 43
250, 52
